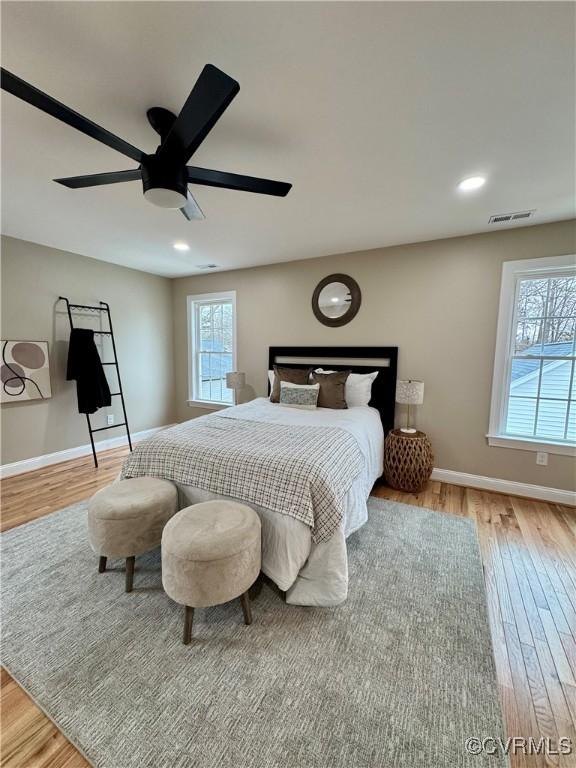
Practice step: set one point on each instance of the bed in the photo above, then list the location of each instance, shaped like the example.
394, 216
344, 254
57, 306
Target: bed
307, 473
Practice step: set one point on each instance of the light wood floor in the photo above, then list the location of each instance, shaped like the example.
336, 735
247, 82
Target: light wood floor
529, 554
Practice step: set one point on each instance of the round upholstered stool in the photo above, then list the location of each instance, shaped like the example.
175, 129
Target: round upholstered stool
210, 555
127, 518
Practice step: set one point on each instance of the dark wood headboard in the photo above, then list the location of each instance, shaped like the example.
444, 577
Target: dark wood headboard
356, 359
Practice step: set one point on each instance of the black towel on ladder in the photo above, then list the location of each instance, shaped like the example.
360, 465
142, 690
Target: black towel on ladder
85, 366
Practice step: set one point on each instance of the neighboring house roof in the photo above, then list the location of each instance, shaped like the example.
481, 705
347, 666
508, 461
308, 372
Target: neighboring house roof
528, 368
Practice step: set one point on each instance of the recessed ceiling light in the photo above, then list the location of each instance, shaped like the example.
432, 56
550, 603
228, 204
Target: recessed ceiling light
471, 183
181, 246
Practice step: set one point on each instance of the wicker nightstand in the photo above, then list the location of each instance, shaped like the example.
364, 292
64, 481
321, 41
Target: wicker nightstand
408, 460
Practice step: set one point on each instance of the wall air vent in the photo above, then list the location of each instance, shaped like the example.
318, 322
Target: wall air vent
206, 266
502, 218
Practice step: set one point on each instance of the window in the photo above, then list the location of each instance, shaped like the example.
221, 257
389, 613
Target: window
534, 388
211, 347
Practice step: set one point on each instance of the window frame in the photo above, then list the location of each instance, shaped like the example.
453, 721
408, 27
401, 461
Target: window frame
512, 273
192, 302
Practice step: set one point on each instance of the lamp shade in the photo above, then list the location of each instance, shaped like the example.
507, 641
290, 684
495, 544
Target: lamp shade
409, 392
235, 380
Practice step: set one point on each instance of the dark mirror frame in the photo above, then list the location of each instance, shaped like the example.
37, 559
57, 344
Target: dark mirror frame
355, 300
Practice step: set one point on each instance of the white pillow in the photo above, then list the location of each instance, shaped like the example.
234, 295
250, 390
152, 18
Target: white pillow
358, 390
271, 379
299, 395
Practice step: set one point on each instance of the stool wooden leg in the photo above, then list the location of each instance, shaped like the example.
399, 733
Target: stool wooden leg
129, 573
256, 588
245, 601
102, 564
188, 618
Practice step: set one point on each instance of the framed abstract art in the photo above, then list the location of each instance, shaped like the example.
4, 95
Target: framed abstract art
24, 371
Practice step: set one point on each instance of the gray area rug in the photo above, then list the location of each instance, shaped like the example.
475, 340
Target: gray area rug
398, 676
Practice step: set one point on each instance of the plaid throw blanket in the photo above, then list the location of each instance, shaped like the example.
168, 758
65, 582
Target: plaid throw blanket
301, 471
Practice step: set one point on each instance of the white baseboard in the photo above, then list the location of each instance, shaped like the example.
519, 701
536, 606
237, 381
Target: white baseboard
554, 495
37, 462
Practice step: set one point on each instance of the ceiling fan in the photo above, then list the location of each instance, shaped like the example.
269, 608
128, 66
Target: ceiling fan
165, 174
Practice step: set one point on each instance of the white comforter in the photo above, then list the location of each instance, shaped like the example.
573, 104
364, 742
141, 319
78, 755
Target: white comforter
311, 574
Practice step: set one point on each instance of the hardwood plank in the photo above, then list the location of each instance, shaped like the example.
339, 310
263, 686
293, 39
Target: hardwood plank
523, 693
557, 535
525, 588
522, 624
543, 711
454, 500
554, 606
568, 515
560, 659
533, 579
570, 650
474, 506
570, 696
568, 611
501, 655
506, 604
550, 562
555, 689
512, 723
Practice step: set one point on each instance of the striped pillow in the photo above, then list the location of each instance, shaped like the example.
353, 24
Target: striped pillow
299, 395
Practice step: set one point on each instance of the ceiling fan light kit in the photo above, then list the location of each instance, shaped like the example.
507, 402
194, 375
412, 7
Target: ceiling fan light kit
164, 186
165, 175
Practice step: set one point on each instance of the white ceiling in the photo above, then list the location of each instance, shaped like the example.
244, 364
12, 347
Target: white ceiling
374, 111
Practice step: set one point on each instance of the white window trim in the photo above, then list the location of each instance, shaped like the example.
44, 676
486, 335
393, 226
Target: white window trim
190, 316
511, 272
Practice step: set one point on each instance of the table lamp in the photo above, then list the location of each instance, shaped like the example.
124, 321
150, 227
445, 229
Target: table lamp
409, 392
235, 380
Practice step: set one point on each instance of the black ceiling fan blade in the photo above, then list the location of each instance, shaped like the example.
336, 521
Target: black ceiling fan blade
213, 92
192, 210
98, 179
210, 178
42, 101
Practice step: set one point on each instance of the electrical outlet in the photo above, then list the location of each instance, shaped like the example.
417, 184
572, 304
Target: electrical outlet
111, 420
542, 459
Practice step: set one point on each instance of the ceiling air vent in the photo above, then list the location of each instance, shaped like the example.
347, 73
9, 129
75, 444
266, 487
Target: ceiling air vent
206, 266
501, 218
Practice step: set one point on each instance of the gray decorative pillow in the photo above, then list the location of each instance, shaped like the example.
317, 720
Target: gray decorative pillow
332, 388
292, 375
299, 395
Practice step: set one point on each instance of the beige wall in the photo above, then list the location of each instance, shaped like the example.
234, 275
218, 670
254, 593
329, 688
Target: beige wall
437, 301
33, 277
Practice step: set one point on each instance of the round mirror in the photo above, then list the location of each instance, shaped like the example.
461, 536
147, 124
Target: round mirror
336, 300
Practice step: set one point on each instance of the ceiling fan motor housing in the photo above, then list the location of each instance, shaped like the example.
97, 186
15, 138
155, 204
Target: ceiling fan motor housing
164, 185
